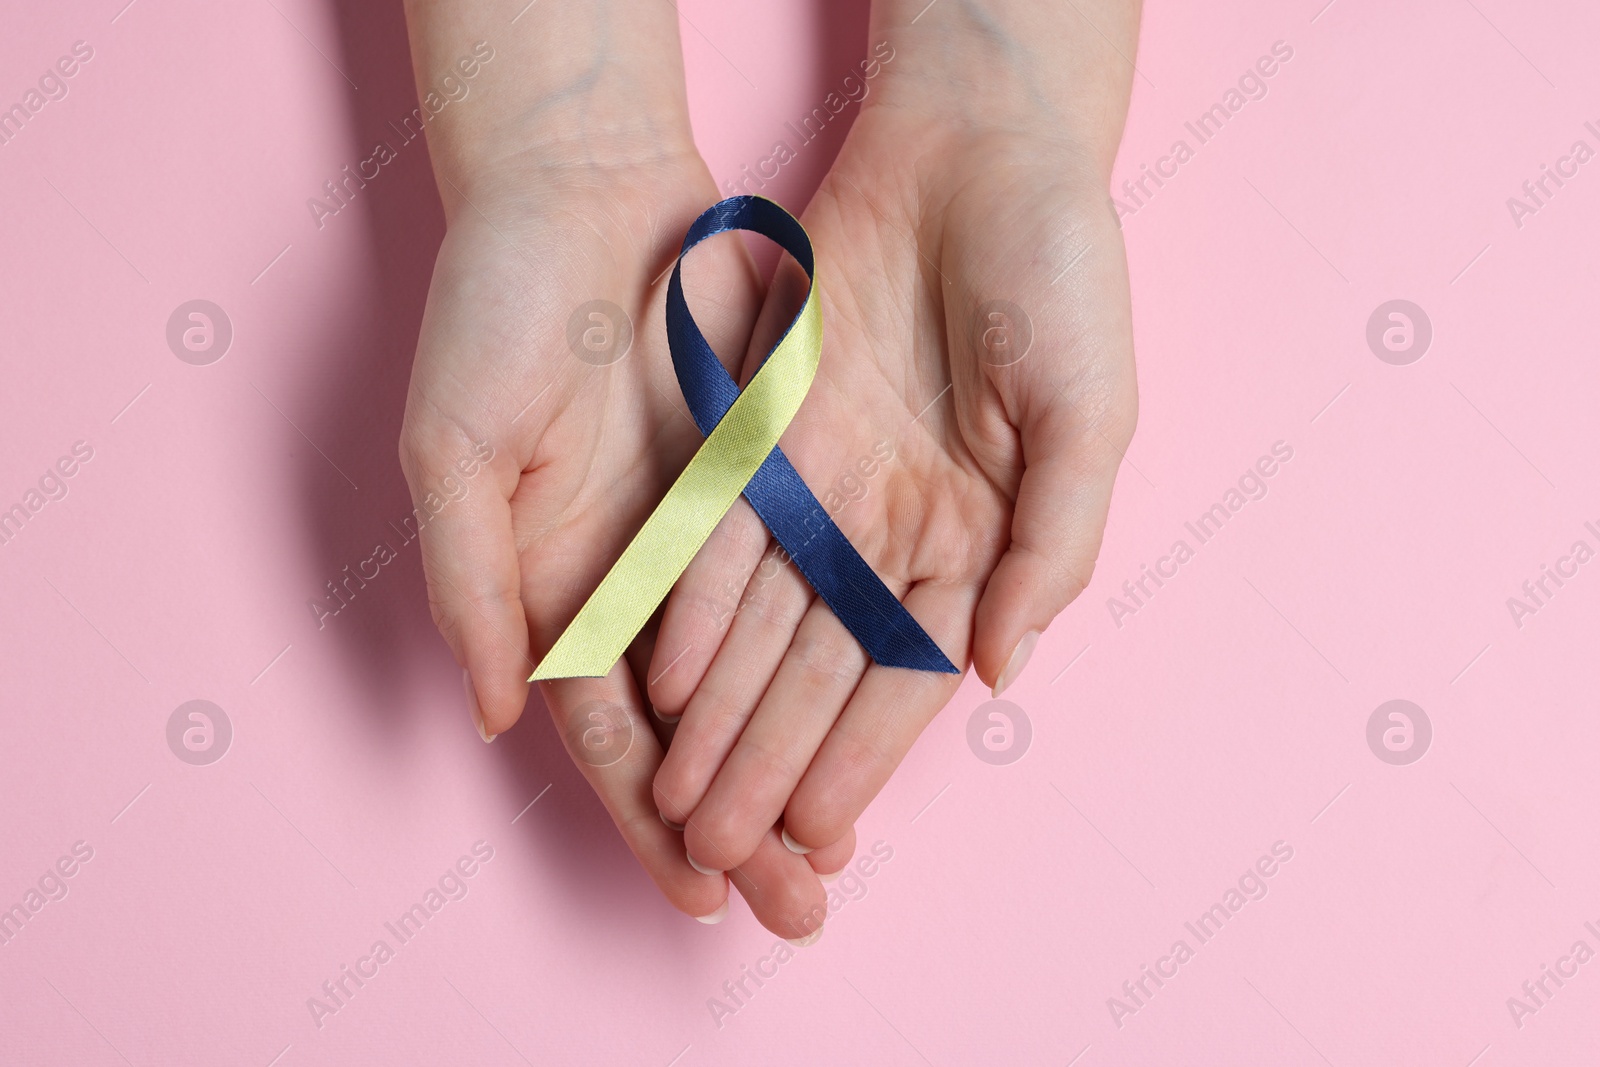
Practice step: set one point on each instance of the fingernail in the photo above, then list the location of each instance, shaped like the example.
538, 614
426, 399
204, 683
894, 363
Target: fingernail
715, 917
809, 939
794, 846
698, 867
678, 826
472, 706
1018, 660
834, 877
668, 719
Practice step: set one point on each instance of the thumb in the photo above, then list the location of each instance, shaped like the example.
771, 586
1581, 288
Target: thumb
474, 581
1070, 464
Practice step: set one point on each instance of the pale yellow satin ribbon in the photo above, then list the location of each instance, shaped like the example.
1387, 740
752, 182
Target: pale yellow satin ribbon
644, 575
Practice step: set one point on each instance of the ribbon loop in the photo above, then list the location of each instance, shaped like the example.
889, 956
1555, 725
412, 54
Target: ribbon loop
741, 455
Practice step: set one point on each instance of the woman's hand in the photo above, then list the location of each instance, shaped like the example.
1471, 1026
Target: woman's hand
976, 395
565, 204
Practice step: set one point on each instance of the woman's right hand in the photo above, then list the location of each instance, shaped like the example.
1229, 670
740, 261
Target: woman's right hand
563, 214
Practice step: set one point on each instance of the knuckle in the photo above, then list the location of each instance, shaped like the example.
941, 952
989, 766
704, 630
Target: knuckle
405, 450
828, 661
464, 615
492, 600
420, 442
774, 594
1073, 575
429, 449
720, 716
1120, 420
444, 620
1100, 403
707, 609
771, 764
1129, 421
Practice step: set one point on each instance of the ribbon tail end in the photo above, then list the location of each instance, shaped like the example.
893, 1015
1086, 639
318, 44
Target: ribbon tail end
551, 671
931, 659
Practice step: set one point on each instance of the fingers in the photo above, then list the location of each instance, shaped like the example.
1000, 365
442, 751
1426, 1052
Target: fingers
604, 727
469, 555
783, 892
702, 607
886, 713
774, 604
1070, 465
822, 668
709, 592
601, 722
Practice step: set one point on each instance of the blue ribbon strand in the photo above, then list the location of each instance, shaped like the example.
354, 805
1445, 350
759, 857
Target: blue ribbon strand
824, 555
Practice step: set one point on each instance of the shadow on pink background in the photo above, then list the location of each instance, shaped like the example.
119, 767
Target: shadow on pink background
1186, 735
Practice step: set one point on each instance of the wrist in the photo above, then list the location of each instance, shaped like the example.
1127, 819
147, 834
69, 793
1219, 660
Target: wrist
560, 88
1011, 72
571, 147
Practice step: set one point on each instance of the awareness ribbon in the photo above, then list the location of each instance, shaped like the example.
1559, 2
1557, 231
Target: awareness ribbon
740, 455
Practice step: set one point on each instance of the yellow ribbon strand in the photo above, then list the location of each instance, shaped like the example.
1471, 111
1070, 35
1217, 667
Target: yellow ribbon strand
730, 456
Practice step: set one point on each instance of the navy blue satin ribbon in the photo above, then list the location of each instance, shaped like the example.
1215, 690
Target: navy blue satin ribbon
818, 547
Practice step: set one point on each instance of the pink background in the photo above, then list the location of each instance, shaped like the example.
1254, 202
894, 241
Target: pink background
1168, 754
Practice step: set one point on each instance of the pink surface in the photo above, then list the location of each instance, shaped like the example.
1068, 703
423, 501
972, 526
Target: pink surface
1172, 747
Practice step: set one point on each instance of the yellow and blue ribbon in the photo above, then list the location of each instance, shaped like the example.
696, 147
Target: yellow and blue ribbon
741, 455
